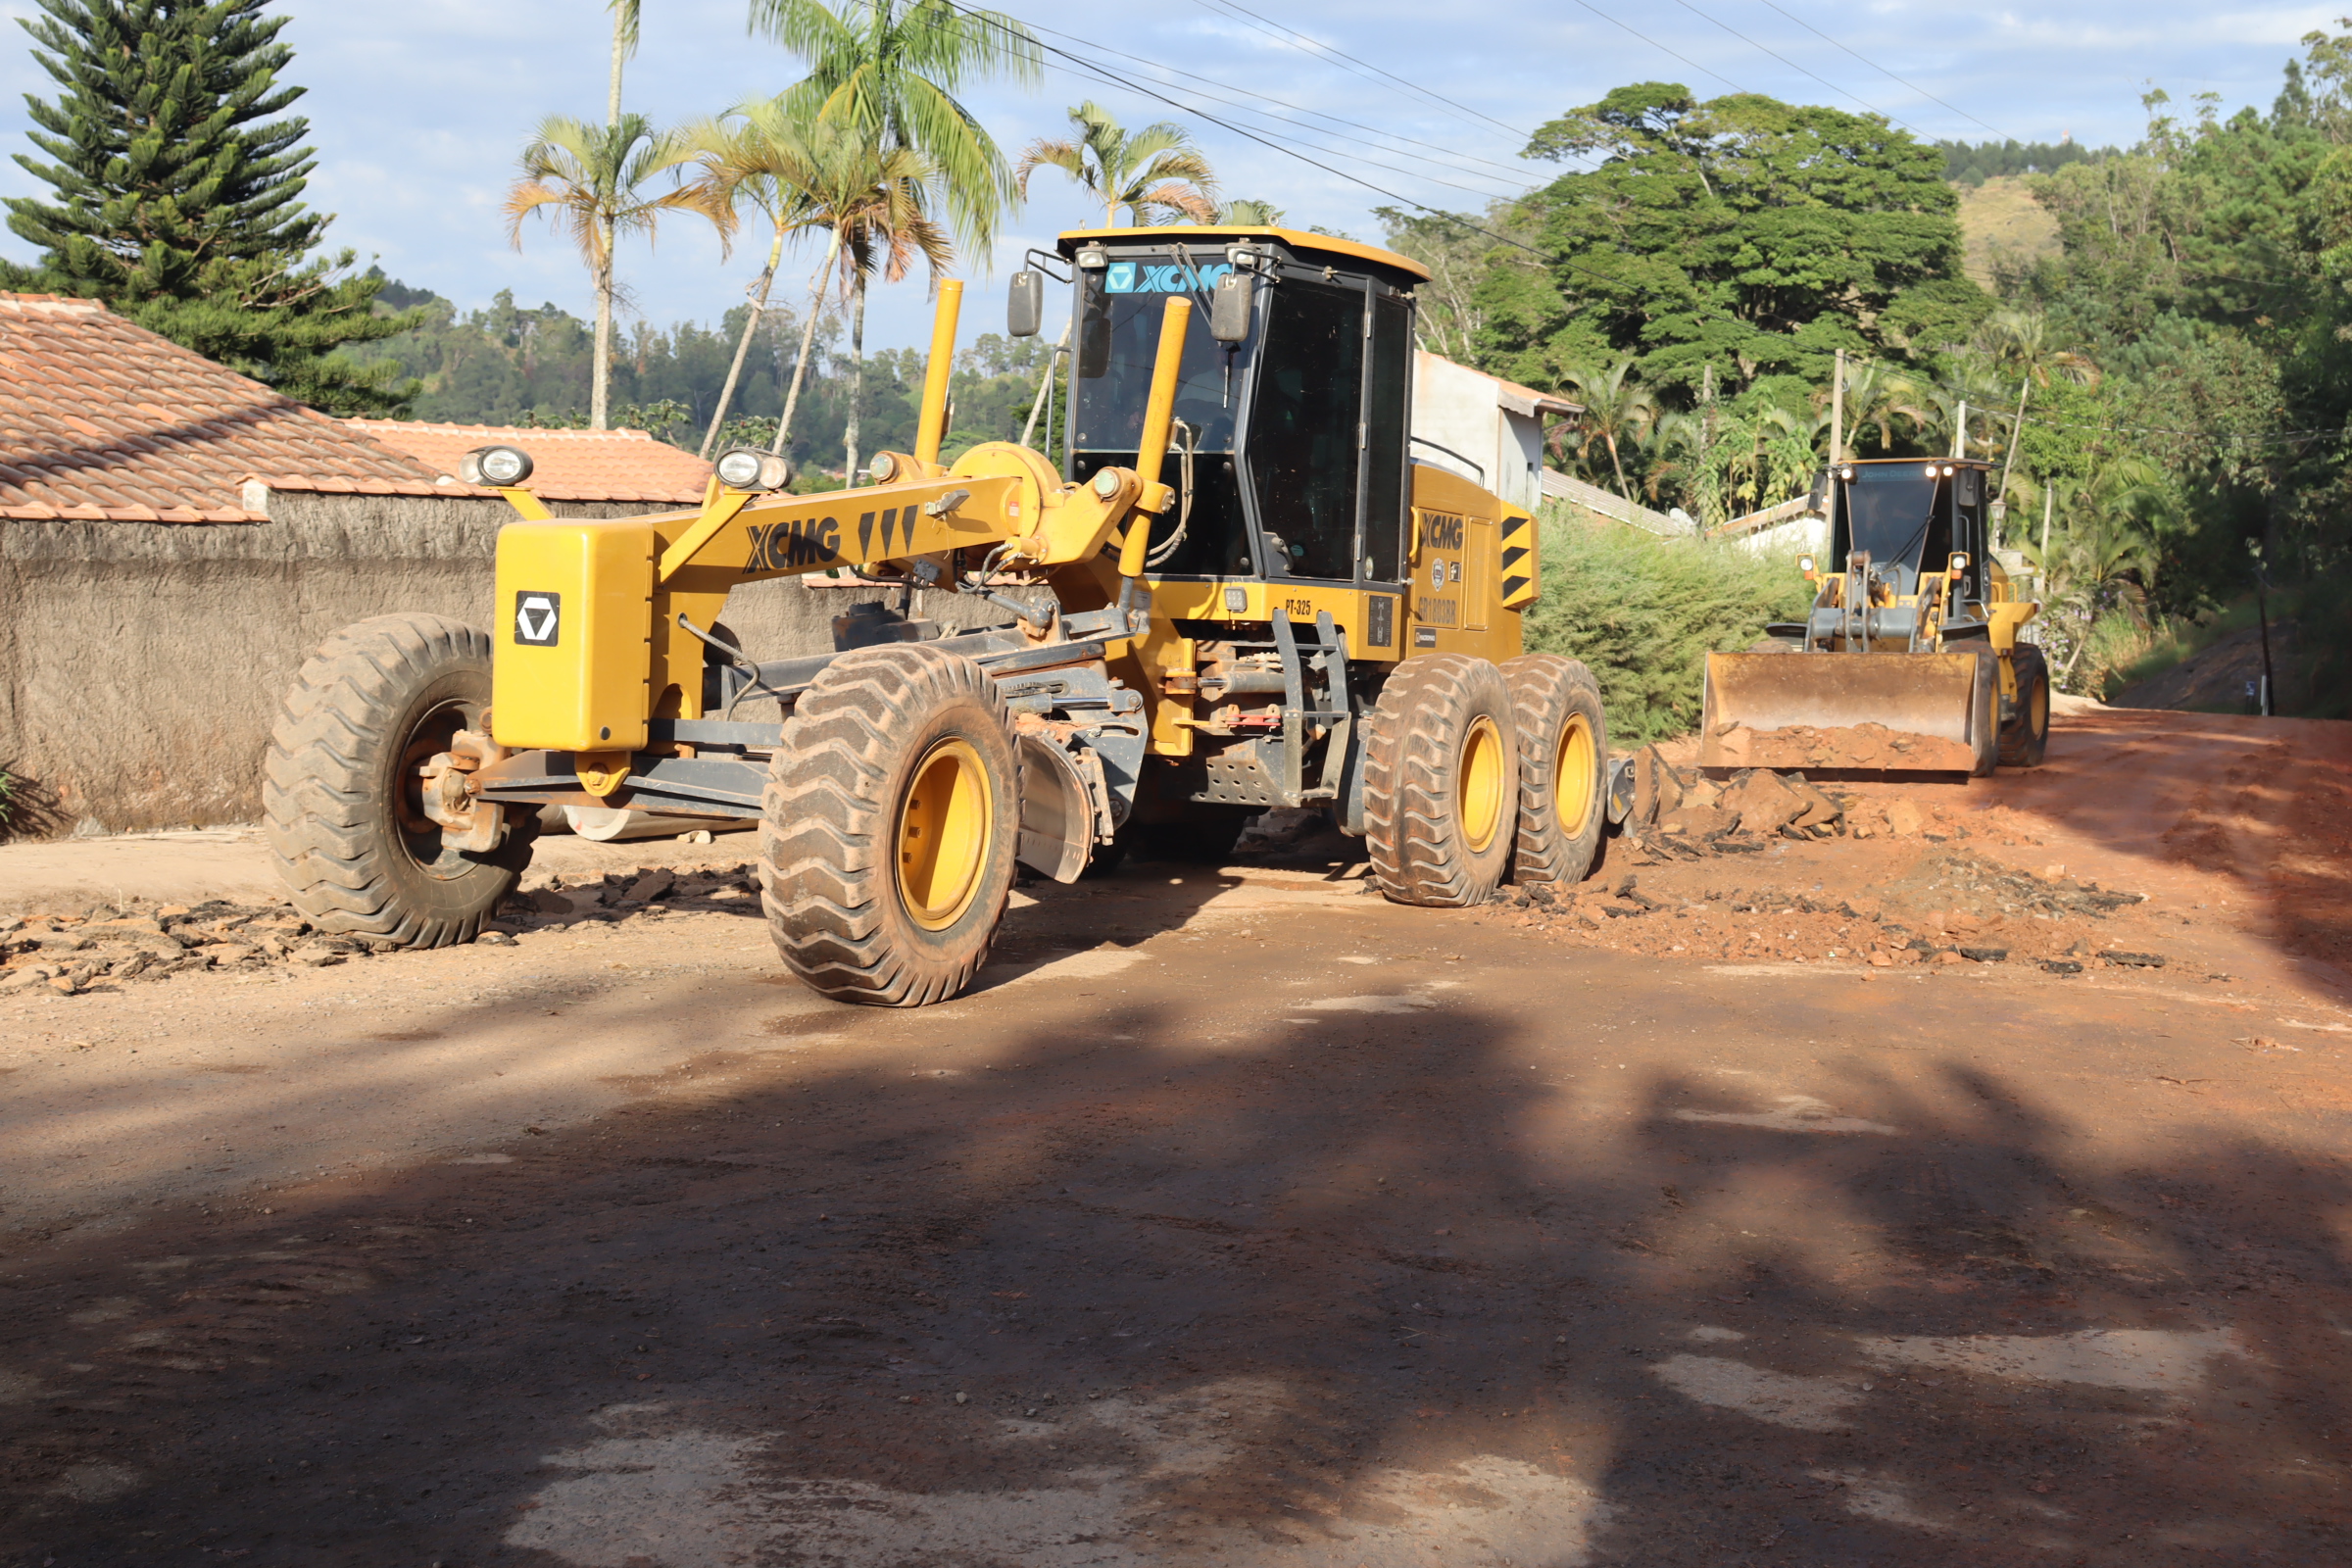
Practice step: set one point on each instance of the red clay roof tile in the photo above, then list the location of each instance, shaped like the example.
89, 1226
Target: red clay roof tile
566, 465
100, 419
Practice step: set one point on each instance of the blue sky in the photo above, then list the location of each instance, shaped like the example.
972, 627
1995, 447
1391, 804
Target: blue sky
417, 109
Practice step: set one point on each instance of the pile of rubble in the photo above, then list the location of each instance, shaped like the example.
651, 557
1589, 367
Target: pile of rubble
1680, 815
108, 945
68, 953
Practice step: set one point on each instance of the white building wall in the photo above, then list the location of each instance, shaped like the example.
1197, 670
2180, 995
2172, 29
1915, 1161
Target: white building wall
1459, 426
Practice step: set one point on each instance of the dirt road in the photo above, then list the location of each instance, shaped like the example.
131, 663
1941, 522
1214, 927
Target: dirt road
1243, 1218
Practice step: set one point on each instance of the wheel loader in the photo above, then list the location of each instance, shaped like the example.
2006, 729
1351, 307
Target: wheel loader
1909, 659
1237, 593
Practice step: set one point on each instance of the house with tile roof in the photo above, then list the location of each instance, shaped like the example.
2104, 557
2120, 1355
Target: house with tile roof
175, 538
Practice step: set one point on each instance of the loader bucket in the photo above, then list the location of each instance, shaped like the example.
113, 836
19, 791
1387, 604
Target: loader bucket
1850, 713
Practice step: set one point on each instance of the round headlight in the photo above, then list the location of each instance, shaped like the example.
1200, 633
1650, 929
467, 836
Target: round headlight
495, 466
883, 468
750, 468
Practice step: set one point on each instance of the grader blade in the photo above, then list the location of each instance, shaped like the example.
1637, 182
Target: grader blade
1847, 712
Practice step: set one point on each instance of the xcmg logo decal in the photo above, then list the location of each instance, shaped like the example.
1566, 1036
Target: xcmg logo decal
538, 616
1154, 278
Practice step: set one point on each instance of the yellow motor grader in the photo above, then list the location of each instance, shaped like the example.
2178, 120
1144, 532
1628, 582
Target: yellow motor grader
1240, 593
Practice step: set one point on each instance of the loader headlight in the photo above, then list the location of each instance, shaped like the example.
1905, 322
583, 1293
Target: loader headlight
883, 468
750, 468
495, 468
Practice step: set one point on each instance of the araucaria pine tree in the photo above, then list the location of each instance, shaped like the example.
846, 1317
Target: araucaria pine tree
176, 191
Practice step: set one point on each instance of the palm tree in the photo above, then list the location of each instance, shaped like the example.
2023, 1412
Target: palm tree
2104, 560
873, 203
1244, 213
591, 181
893, 67
1616, 408
1876, 396
1155, 173
624, 46
759, 152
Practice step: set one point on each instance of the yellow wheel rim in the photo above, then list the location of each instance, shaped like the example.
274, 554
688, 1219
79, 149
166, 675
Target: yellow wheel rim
1572, 776
1481, 801
946, 827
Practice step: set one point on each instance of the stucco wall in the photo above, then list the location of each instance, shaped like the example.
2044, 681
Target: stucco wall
141, 664
1458, 427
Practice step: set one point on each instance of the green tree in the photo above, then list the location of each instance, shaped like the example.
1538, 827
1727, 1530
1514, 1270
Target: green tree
762, 154
1618, 410
1155, 175
1743, 233
592, 181
1244, 212
893, 67
176, 194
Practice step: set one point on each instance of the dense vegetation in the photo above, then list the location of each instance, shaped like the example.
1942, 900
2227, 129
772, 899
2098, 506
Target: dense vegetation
2184, 361
1644, 611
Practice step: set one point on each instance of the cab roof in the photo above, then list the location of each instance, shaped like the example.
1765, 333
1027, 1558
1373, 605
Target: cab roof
1327, 248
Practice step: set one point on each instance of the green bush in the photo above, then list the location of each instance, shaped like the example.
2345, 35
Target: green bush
1644, 613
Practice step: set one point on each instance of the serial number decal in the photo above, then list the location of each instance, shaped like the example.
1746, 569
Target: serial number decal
1438, 612
1299, 608
808, 542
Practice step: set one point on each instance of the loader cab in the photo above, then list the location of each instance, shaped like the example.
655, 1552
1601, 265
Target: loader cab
1911, 514
1289, 454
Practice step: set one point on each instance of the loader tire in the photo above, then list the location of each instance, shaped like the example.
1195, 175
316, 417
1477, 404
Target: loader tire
2025, 736
1440, 782
1564, 767
346, 827
892, 812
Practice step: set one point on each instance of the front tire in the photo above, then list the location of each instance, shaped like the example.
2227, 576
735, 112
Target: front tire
889, 824
2026, 737
1564, 767
340, 795
1440, 782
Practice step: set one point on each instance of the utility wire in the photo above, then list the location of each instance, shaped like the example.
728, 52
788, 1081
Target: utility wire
1661, 48
1889, 75
1275, 30
1793, 66
1520, 175
1116, 78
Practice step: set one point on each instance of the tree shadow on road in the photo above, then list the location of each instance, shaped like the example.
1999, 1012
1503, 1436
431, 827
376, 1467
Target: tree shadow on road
1352, 1286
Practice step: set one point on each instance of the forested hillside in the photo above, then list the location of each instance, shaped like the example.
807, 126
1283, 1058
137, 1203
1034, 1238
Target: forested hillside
506, 365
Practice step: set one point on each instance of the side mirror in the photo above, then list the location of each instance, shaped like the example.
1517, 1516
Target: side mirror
1025, 305
1228, 308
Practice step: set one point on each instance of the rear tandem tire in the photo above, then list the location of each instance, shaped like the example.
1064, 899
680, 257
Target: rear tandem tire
1564, 767
345, 829
888, 826
1440, 782
2026, 737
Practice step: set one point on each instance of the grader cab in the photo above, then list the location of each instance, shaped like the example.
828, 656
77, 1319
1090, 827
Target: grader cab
1239, 594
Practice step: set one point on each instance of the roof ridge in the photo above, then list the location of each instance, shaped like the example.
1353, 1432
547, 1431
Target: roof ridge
535, 431
16, 298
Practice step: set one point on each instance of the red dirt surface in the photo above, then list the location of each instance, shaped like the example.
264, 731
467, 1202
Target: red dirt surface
2229, 833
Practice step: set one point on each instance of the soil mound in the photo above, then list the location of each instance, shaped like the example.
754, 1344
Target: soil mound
1854, 746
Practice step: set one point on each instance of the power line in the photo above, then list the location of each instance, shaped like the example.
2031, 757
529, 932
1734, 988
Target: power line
1414, 87
1884, 72
1661, 48
1283, 103
1105, 74
1793, 66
